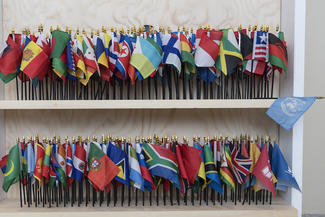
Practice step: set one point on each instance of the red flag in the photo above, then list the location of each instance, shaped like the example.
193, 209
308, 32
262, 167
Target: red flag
40, 153
183, 174
101, 169
192, 161
262, 170
69, 165
10, 57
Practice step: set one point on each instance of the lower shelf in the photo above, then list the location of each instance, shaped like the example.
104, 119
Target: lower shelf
9, 208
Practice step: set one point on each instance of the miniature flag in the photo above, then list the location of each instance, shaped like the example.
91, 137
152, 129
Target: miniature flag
278, 55
261, 46
201, 173
135, 172
60, 40
119, 157
207, 51
122, 63
161, 162
148, 182
89, 59
101, 169
145, 57
187, 56
210, 170
241, 165
30, 157
282, 171
3, 163
286, 111
11, 176
192, 161
59, 173
10, 59
79, 163
71, 68
183, 175
226, 167
262, 170
172, 51
46, 163
40, 153
229, 54
69, 166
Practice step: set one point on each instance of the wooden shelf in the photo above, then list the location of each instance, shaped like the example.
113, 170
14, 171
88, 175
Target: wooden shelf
10, 208
134, 104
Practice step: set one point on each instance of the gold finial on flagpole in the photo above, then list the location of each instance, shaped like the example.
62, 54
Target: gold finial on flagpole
92, 33
84, 32
249, 27
57, 27
77, 31
69, 30
66, 29
240, 27
103, 29
277, 28
267, 28
262, 28
51, 29
255, 27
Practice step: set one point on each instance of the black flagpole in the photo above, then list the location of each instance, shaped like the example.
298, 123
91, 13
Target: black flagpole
198, 83
156, 84
169, 82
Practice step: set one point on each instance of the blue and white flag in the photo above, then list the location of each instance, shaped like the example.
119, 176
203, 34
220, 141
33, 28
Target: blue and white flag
172, 51
30, 159
286, 111
282, 171
135, 172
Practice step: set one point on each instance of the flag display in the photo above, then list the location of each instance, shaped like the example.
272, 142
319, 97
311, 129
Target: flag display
110, 64
237, 166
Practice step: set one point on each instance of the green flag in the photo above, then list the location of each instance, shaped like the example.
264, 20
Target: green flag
13, 168
60, 40
7, 78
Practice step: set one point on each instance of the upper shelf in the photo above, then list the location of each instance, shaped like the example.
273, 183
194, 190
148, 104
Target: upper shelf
135, 104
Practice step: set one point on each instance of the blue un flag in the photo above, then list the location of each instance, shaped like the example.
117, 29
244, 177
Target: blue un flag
286, 111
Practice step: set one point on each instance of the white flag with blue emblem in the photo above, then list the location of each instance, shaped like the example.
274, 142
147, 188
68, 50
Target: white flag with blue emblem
286, 111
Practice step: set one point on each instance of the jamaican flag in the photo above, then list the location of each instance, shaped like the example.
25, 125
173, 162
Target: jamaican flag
210, 170
229, 53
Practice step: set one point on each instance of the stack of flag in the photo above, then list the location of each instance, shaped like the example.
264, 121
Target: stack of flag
78, 60
242, 165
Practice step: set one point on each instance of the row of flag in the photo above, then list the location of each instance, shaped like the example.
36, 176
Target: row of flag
117, 57
216, 164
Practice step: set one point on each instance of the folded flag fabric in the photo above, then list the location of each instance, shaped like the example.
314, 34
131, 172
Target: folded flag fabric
161, 162
10, 58
102, 170
286, 111
145, 58
3, 163
11, 176
282, 171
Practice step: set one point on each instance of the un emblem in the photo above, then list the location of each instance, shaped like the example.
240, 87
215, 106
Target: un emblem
292, 106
